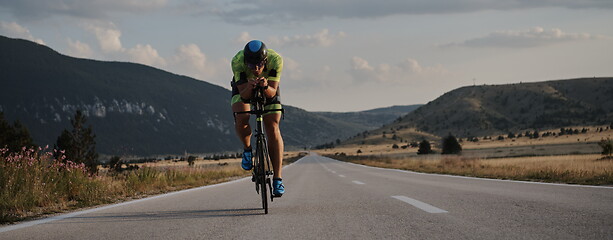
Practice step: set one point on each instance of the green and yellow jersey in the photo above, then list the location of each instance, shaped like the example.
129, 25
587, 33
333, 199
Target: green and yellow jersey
272, 72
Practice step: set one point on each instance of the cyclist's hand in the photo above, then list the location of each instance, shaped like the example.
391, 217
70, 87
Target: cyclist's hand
253, 83
262, 81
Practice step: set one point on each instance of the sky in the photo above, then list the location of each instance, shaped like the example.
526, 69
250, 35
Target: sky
339, 55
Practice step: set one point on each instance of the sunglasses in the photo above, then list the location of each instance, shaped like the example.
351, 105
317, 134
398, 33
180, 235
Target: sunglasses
258, 65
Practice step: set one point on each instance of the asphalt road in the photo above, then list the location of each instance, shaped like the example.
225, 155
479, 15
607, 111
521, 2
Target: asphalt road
328, 199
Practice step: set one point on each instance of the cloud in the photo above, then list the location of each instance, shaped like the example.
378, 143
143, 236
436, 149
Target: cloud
107, 34
109, 41
98, 9
408, 69
146, 54
250, 12
190, 60
79, 49
322, 38
12, 29
534, 37
292, 70
243, 38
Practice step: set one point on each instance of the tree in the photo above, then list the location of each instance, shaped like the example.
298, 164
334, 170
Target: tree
607, 146
15, 136
424, 147
191, 160
79, 144
451, 145
115, 163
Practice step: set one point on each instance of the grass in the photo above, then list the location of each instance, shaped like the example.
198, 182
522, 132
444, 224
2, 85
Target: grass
573, 169
33, 183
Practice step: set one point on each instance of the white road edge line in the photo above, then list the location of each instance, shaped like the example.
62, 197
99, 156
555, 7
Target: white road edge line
421, 205
73, 214
476, 178
358, 182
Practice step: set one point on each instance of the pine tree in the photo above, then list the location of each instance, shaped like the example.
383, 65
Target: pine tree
15, 136
451, 145
424, 147
79, 144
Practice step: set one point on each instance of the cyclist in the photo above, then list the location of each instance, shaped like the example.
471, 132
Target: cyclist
253, 66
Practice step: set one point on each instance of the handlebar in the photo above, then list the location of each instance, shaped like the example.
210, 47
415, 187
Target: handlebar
259, 98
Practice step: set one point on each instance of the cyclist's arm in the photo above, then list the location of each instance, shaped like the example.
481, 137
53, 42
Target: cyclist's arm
271, 91
246, 89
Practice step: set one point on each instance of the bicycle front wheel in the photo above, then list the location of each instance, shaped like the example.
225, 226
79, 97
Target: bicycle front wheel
262, 176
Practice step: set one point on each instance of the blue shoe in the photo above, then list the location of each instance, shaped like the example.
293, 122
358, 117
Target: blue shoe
247, 164
278, 188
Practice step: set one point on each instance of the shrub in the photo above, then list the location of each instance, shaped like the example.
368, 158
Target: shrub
451, 145
607, 146
424, 147
115, 163
191, 160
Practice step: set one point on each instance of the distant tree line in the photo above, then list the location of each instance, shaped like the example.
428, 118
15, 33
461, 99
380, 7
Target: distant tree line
536, 134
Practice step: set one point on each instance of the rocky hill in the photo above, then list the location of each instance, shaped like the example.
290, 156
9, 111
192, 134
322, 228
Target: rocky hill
500, 109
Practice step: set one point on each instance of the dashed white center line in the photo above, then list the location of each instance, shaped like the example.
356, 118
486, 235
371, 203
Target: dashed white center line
421, 205
358, 182
341, 175
333, 172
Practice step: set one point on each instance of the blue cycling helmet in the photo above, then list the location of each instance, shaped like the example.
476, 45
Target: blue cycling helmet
255, 52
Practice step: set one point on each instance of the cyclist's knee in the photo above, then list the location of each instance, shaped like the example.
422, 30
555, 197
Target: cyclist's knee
273, 132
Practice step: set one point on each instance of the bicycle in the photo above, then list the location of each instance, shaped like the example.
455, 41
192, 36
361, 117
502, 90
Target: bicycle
262, 170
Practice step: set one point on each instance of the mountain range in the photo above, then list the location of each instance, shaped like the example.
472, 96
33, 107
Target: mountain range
140, 110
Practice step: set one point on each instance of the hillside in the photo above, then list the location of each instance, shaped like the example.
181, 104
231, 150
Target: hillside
133, 108
500, 109
369, 119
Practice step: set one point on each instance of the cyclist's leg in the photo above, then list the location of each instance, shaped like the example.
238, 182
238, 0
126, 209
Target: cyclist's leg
275, 141
241, 123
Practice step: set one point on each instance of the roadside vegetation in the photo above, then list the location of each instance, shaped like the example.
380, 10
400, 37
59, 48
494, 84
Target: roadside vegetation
572, 169
34, 183
558, 157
